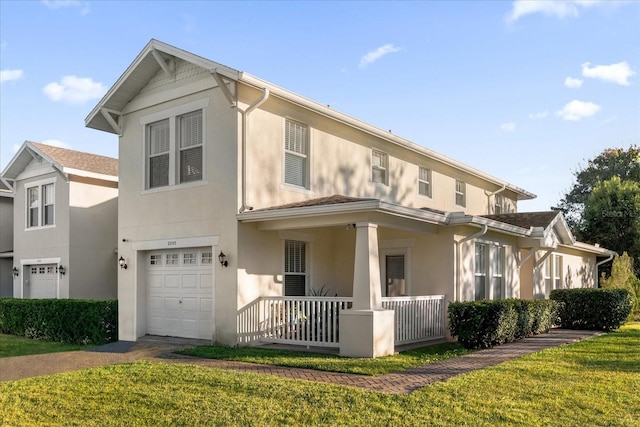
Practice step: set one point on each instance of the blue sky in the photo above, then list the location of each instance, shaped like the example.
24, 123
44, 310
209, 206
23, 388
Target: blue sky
525, 90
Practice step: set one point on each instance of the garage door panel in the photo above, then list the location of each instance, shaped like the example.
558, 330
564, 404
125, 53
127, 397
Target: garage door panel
43, 281
180, 293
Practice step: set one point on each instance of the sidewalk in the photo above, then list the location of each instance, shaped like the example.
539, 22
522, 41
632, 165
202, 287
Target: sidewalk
161, 350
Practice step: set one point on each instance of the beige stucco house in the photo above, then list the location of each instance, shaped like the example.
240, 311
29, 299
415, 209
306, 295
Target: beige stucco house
248, 214
65, 223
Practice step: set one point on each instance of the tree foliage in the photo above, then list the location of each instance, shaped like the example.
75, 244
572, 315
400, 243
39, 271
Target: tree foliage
623, 277
619, 162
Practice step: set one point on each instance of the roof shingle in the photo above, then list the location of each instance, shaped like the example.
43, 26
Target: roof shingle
79, 160
525, 219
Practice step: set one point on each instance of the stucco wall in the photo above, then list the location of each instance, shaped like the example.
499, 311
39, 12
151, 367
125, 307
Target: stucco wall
6, 245
340, 159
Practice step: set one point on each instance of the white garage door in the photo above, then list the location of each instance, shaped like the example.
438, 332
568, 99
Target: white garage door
180, 293
43, 280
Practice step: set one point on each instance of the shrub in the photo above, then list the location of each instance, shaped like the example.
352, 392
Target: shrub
61, 320
483, 324
597, 309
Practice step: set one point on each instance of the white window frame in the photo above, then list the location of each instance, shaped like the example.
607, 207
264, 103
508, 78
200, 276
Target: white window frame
426, 180
492, 252
306, 143
557, 272
173, 115
460, 192
498, 204
285, 270
40, 185
384, 167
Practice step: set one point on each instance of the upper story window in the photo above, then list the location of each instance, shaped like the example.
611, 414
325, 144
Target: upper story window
498, 202
40, 205
174, 145
379, 167
461, 193
296, 154
424, 181
162, 167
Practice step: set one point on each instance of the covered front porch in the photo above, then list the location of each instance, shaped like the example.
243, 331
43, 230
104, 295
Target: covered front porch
359, 275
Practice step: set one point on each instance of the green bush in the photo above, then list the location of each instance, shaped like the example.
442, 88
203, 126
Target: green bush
61, 320
483, 324
593, 309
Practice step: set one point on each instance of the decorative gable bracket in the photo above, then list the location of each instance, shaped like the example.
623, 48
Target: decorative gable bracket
224, 88
108, 114
168, 68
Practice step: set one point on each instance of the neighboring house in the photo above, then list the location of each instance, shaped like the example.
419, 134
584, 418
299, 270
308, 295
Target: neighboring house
64, 223
6, 242
240, 200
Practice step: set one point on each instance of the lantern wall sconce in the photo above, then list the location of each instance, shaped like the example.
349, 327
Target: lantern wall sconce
16, 272
122, 263
223, 259
62, 270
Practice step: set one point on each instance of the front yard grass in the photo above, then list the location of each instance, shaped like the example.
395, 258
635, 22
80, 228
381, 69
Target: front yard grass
379, 366
11, 345
595, 382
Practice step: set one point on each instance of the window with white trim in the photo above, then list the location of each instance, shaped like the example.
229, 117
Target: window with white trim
40, 205
498, 203
172, 259
424, 181
461, 193
296, 154
557, 272
190, 258
379, 167
174, 149
207, 256
295, 271
489, 262
547, 273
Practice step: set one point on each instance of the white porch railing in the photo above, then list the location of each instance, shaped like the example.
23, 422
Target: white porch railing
314, 321
418, 318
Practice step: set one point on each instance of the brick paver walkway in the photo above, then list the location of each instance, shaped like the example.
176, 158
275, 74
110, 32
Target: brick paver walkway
160, 349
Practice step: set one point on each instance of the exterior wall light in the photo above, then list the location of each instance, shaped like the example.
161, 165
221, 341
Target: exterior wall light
122, 263
223, 259
16, 272
62, 270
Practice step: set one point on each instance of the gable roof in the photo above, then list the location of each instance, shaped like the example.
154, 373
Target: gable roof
65, 161
547, 221
104, 115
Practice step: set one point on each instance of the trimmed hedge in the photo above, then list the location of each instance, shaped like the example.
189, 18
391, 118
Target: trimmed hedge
594, 309
482, 324
61, 320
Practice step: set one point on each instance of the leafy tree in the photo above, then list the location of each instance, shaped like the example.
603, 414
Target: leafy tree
619, 162
612, 216
623, 277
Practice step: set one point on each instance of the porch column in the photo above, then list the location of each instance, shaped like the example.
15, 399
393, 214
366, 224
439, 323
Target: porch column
367, 330
366, 270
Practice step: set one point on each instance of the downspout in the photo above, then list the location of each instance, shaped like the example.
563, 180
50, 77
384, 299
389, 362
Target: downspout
243, 174
598, 264
500, 190
482, 232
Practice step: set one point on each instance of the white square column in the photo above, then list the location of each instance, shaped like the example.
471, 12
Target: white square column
366, 330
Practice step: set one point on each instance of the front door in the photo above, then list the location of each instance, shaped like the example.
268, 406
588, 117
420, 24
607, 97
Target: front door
395, 280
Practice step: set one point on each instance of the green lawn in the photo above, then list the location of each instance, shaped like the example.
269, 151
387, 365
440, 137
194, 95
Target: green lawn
379, 366
592, 383
11, 345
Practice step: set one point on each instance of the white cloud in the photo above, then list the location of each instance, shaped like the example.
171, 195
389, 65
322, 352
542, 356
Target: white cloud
8, 75
74, 90
572, 83
617, 73
538, 116
558, 8
374, 55
577, 110
60, 4
56, 143
508, 127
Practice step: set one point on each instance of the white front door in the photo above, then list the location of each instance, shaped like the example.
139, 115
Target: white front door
42, 281
180, 293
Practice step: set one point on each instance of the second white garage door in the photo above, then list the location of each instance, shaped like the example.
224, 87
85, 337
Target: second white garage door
180, 293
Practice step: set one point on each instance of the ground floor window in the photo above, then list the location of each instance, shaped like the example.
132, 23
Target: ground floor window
489, 262
295, 271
